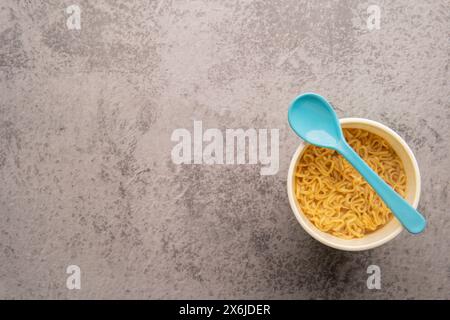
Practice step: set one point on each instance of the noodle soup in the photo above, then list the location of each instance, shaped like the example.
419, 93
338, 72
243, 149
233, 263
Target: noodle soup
335, 197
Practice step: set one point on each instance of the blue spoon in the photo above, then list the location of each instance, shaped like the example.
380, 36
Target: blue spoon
314, 120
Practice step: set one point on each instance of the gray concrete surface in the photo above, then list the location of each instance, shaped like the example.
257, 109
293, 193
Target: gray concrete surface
85, 124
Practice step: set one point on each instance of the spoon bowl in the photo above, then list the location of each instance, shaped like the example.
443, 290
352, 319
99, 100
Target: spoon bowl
314, 120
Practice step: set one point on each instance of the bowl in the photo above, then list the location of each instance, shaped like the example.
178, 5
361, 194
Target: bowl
393, 227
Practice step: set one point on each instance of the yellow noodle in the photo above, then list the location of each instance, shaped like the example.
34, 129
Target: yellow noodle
334, 196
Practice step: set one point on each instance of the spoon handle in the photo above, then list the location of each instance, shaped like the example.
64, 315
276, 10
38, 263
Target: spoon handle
410, 218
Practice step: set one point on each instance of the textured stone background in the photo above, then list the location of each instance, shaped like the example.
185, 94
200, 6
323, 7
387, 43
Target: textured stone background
85, 124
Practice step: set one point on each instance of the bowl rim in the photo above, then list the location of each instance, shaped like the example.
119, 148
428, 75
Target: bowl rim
316, 233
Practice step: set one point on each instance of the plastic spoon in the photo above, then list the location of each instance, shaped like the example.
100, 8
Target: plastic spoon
314, 120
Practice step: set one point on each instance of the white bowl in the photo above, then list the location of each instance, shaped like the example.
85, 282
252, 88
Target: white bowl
390, 230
